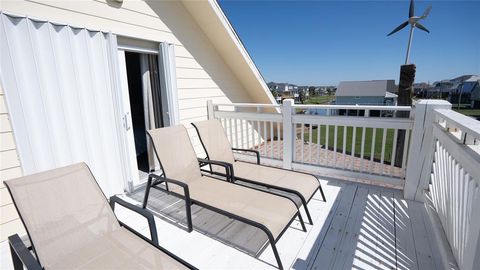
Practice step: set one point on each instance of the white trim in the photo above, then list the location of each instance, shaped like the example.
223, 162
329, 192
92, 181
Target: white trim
234, 37
131, 48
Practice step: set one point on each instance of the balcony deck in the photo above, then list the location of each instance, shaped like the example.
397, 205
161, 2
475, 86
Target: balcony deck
360, 226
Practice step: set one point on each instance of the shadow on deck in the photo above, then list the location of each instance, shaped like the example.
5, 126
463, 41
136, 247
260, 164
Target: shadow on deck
359, 227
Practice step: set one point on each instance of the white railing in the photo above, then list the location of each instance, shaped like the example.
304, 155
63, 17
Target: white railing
441, 156
361, 142
455, 181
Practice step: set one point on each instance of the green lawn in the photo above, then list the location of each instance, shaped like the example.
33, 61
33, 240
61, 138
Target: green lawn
469, 112
319, 100
358, 140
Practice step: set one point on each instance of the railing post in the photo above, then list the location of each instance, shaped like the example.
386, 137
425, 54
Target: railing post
210, 114
287, 111
420, 154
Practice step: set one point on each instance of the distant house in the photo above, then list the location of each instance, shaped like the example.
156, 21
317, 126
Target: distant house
419, 89
287, 90
377, 92
473, 86
442, 89
463, 93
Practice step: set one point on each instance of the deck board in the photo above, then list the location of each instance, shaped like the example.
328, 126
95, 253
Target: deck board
359, 227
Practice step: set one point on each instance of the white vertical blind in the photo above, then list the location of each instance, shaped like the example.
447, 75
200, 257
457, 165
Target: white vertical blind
59, 88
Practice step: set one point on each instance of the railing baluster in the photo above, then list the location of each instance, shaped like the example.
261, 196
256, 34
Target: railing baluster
302, 142
405, 150
344, 147
318, 143
231, 130
310, 133
382, 156
392, 158
326, 145
236, 133
247, 126
294, 151
252, 127
242, 133
279, 147
335, 146
362, 149
259, 137
265, 138
371, 167
271, 139
354, 140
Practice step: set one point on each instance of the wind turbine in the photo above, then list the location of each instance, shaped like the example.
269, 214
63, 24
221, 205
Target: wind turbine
413, 21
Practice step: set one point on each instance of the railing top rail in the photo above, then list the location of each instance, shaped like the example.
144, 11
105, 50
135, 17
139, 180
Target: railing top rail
355, 107
248, 105
460, 121
312, 106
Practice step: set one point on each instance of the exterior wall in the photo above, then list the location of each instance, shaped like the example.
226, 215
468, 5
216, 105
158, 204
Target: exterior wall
9, 168
359, 100
201, 71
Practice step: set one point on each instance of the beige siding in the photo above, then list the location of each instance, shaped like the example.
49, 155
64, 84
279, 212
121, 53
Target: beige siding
202, 73
9, 168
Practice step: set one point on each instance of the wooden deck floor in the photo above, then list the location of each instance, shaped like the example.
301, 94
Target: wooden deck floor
359, 227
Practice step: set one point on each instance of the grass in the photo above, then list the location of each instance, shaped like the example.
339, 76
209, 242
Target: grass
358, 140
468, 112
319, 100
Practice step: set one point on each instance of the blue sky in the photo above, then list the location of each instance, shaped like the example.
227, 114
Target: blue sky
324, 42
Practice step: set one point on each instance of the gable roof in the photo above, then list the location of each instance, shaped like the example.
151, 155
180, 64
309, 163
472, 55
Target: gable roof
220, 32
376, 88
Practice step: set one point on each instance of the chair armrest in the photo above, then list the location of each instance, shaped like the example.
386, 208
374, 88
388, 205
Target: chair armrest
21, 255
186, 194
228, 167
145, 213
249, 150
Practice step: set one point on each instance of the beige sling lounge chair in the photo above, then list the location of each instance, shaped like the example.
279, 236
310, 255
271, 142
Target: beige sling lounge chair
71, 225
218, 148
181, 172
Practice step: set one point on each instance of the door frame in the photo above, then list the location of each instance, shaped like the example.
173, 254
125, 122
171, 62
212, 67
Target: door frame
126, 44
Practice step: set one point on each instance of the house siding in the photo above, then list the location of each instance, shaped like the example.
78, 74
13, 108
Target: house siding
360, 100
9, 168
202, 73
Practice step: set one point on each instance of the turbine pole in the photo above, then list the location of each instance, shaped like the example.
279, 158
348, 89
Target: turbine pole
409, 44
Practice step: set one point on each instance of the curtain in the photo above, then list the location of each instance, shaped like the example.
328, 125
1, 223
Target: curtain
168, 84
60, 86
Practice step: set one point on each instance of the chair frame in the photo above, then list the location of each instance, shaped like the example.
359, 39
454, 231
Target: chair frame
155, 180
22, 255
234, 178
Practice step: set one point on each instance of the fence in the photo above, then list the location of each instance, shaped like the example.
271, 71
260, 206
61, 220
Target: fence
361, 142
455, 181
440, 154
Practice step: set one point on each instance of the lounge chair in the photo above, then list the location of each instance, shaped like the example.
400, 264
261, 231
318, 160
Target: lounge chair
71, 225
181, 172
218, 148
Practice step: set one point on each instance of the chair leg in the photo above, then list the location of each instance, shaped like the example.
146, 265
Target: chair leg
147, 192
308, 214
275, 252
301, 221
321, 192
17, 263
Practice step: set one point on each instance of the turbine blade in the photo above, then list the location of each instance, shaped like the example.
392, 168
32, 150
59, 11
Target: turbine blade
400, 27
411, 11
421, 27
426, 12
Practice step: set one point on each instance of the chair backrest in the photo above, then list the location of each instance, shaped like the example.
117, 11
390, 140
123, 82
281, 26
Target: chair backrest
214, 140
175, 153
63, 210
